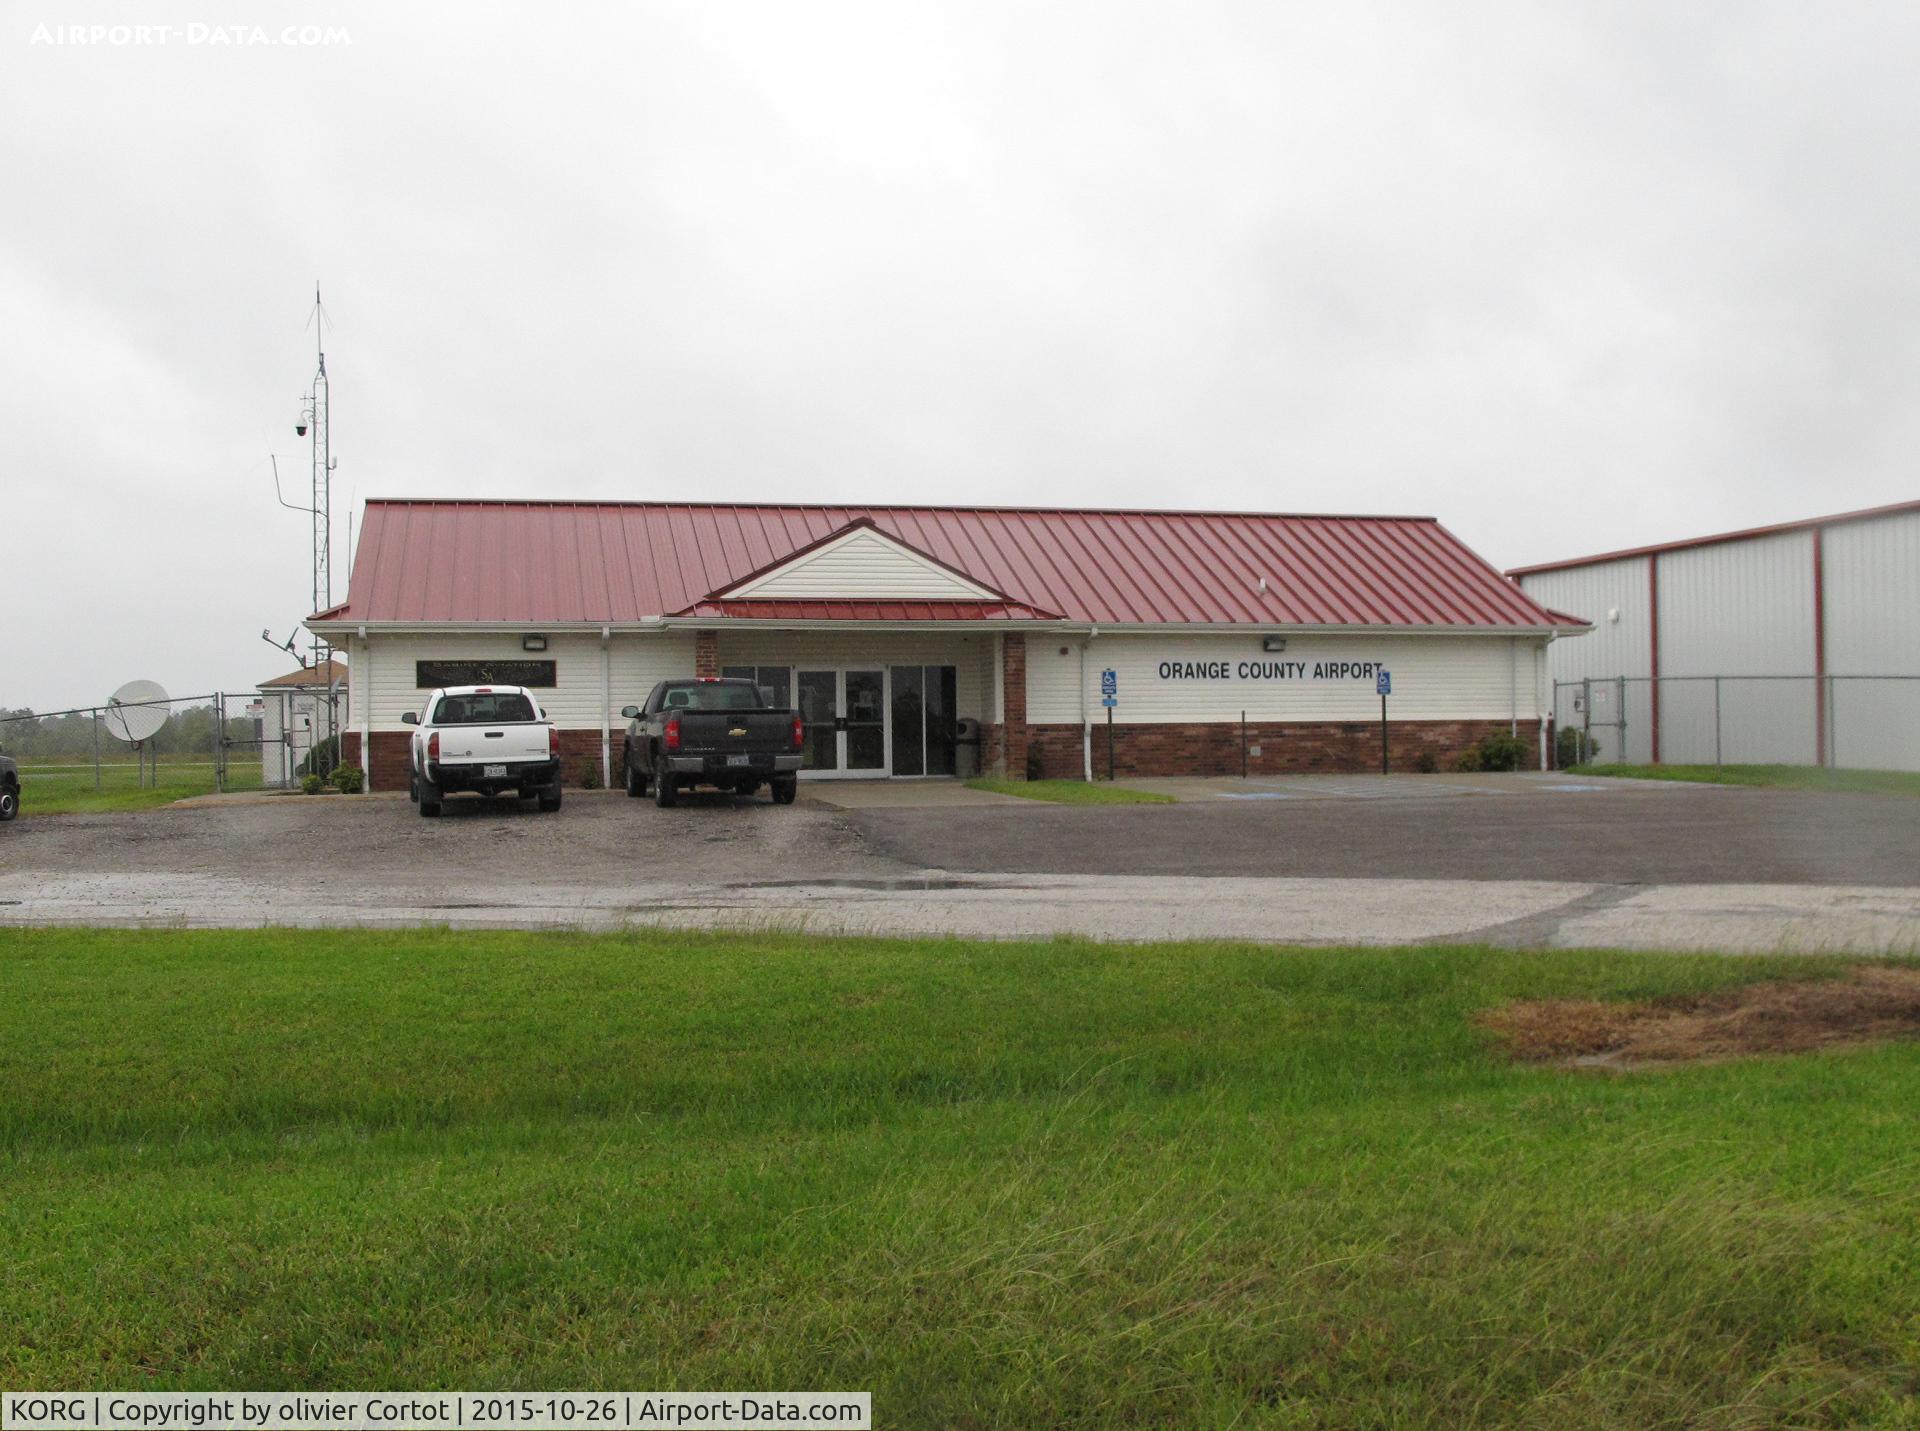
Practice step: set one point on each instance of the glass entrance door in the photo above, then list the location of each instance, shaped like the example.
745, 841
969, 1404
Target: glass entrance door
865, 709
819, 705
845, 716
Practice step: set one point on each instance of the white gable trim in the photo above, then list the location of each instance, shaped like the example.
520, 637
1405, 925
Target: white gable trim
862, 564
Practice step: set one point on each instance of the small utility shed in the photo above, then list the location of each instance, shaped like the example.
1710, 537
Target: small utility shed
297, 710
916, 641
1792, 644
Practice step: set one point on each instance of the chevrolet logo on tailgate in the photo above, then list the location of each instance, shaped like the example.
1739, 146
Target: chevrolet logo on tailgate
738, 730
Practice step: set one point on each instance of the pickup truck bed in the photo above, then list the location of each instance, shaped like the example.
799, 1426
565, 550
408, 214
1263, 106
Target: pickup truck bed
714, 732
486, 740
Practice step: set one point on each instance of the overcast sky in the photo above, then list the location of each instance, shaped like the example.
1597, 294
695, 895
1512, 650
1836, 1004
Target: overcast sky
1570, 277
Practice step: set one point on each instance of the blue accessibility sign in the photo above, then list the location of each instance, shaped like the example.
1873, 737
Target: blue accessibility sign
1109, 682
1383, 684
1109, 701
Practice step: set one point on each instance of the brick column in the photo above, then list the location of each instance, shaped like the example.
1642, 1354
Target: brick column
706, 653
1013, 695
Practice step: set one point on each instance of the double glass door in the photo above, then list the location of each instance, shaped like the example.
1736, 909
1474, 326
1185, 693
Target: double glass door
868, 721
845, 713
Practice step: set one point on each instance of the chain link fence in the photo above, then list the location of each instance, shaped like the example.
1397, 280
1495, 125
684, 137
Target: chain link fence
1853, 722
208, 743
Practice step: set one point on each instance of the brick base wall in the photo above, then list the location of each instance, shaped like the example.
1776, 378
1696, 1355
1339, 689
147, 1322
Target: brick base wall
1286, 747
390, 757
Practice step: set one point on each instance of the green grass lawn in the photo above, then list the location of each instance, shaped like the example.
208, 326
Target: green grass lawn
1038, 1185
1070, 792
68, 788
1789, 777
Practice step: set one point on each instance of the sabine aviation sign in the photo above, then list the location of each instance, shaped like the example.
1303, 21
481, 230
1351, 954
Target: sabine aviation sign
1366, 671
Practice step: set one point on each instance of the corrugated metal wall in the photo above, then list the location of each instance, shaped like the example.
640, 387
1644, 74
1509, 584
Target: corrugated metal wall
1615, 597
1739, 609
1873, 627
1745, 610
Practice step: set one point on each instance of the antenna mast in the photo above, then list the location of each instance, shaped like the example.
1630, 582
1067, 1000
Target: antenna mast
318, 404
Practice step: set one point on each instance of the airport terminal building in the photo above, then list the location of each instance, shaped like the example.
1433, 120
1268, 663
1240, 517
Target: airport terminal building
940, 641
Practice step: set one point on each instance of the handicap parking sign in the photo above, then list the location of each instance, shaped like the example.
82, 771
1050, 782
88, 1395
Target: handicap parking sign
1383, 684
1109, 682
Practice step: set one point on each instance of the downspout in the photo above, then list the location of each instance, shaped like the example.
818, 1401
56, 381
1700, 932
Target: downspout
366, 709
606, 707
1540, 696
1086, 716
1513, 686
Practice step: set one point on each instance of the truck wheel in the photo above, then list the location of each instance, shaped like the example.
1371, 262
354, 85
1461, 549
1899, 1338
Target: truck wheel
550, 798
784, 790
429, 801
9, 802
636, 782
664, 795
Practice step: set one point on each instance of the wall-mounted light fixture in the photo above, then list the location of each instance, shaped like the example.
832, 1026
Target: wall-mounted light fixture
1273, 643
533, 643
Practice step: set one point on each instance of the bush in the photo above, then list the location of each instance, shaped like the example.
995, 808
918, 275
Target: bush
589, 776
349, 779
1497, 752
323, 757
1573, 746
1502, 752
1426, 762
311, 785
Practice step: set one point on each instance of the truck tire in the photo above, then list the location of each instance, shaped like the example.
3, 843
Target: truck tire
550, 798
9, 802
784, 789
664, 794
636, 782
429, 801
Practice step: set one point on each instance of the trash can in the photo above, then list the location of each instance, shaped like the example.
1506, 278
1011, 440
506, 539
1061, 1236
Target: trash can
966, 748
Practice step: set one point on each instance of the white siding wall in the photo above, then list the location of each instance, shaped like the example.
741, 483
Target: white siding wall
575, 702
1434, 678
969, 652
1873, 627
862, 565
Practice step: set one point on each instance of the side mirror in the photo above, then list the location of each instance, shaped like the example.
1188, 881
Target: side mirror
409, 719
630, 712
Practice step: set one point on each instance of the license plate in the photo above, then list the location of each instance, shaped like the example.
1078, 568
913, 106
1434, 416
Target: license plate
739, 760
492, 772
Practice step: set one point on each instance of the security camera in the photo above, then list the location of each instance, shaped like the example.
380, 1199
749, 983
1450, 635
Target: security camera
300, 428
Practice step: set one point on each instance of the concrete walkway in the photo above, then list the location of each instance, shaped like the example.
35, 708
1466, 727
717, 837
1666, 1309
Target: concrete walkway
1515, 913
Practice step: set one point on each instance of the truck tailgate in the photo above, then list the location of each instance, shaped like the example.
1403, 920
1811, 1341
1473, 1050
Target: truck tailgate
513, 743
717, 732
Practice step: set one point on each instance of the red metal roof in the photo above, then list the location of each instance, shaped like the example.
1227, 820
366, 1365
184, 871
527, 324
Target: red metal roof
816, 610
551, 563
1806, 524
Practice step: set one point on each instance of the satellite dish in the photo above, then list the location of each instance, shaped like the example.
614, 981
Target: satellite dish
136, 711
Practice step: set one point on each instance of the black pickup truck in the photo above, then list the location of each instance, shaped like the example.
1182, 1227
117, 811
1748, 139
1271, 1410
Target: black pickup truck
9, 789
712, 731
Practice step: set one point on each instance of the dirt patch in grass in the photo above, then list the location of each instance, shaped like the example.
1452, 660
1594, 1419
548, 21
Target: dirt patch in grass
1873, 1004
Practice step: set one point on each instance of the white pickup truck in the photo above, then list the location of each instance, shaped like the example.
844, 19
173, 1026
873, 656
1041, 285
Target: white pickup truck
484, 739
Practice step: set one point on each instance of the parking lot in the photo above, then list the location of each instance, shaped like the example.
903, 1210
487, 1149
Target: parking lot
1521, 860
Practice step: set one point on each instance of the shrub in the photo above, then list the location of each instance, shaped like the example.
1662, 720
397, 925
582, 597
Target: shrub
321, 758
349, 779
1469, 760
1426, 762
1502, 752
589, 777
1573, 746
311, 785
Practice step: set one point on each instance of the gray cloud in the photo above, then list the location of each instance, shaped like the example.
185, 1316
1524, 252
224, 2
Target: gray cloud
1567, 278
